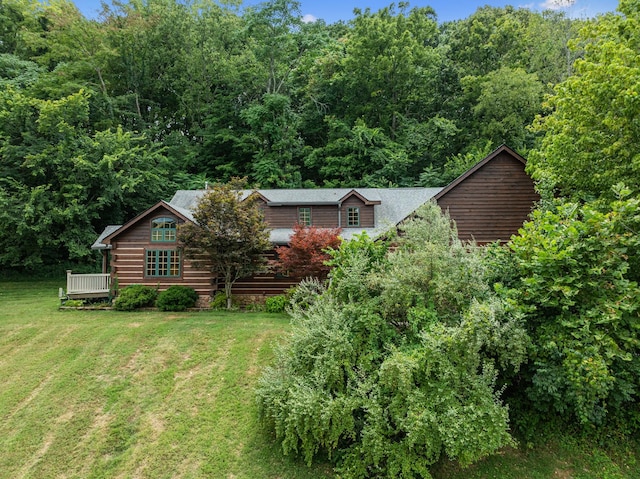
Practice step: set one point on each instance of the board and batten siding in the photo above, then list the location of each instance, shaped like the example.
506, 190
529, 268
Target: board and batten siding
493, 202
128, 260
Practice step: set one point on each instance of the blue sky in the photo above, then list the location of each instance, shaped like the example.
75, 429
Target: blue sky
334, 10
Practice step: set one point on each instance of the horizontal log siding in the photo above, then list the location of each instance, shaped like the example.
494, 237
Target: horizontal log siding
128, 261
493, 202
263, 284
367, 219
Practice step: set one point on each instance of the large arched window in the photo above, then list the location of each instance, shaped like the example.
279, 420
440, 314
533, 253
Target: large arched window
163, 230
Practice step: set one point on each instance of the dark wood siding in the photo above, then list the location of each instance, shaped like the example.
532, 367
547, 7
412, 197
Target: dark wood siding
493, 202
323, 216
128, 259
367, 219
264, 284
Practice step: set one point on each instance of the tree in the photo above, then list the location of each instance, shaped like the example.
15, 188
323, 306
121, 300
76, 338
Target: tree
507, 102
228, 234
591, 136
389, 67
306, 255
60, 182
396, 363
575, 278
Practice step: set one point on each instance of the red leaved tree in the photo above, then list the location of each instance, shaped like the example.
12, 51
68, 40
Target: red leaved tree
305, 256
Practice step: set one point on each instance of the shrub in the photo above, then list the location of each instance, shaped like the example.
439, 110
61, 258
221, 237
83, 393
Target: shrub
577, 285
219, 301
73, 303
396, 365
177, 298
305, 294
276, 304
135, 296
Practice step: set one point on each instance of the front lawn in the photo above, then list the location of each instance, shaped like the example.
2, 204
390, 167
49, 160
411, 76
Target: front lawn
89, 394
106, 394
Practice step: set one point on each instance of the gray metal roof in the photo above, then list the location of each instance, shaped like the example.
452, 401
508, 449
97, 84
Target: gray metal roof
396, 204
98, 244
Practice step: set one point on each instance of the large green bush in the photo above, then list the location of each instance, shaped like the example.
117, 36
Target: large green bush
177, 298
574, 273
396, 363
134, 297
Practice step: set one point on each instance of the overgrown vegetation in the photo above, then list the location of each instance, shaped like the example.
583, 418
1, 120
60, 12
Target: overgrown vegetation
573, 273
101, 118
157, 394
396, 365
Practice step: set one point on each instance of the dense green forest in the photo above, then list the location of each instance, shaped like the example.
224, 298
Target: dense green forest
410, 354
101, 118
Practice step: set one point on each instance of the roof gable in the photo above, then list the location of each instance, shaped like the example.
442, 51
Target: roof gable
177, 211
392, 205
361, 197
490, 157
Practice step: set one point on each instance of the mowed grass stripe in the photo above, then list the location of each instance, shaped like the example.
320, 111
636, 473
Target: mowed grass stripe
108, 394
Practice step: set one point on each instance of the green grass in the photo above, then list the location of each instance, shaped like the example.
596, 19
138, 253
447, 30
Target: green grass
88, 394
105, 394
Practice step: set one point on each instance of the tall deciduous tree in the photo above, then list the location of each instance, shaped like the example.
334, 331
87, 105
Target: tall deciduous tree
60, 183
389, 66
506, 102
228, 234
591, 137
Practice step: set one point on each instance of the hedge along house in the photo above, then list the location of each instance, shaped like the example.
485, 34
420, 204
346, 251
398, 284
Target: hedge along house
489, 202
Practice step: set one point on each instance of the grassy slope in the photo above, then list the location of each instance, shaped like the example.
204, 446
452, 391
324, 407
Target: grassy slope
107, 394
152, 395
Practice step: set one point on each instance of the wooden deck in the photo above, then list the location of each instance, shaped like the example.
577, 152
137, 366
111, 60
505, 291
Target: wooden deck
81, 286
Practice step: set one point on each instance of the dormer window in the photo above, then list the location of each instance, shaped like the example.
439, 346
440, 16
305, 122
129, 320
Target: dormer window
304, 216
163, 230
353, 216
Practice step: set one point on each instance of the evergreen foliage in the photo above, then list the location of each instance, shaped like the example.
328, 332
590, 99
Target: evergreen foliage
134, 297
177, 298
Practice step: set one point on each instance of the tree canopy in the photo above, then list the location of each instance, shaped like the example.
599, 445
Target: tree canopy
204, 91
591, 137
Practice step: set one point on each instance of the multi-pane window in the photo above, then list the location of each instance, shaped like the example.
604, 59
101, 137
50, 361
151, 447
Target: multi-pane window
163, 262
353, 216
163, 230
304, 216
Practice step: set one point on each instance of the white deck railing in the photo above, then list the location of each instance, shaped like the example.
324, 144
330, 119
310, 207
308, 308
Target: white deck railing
88, 283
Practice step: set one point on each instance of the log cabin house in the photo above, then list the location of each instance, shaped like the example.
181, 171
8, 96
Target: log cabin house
489, 203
